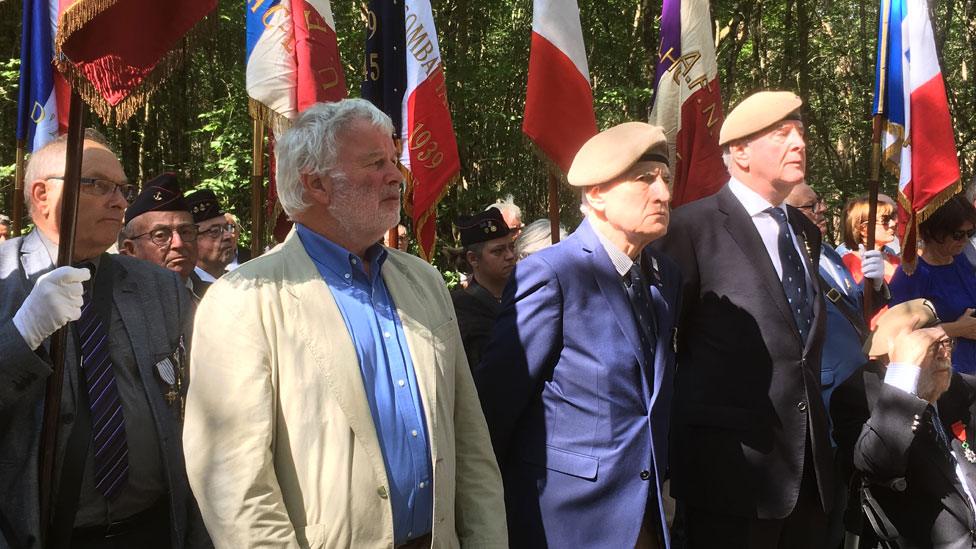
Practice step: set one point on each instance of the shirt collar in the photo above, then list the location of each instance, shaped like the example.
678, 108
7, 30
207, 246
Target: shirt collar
52, 250
621, 261
337, 259
750, 199
204, 275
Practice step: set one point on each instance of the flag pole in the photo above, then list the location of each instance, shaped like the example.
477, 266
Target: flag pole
66, 247
553, 206
876, 123
257, 185
18, 199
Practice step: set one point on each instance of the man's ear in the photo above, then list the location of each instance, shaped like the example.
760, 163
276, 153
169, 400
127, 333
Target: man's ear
740, 154
127, 247
594, 198
471, 257
39, 195
318, 188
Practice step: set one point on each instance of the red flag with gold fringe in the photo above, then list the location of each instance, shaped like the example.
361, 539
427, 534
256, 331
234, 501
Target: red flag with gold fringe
116, 53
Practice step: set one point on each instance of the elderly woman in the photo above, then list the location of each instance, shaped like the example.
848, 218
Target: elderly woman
855, 234
536, 236
945, 277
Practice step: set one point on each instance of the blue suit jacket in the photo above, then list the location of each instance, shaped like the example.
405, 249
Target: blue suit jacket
576, 415
842, 354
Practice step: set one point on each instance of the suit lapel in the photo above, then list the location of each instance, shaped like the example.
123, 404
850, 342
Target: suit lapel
308, 294
609, 282
743, 232
34, 257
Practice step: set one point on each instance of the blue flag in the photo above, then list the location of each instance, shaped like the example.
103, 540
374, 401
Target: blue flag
37, 116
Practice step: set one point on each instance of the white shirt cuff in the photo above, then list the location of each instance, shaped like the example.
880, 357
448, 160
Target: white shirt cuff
903, 376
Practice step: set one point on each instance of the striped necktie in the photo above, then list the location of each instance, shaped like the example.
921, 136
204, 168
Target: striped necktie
108, 422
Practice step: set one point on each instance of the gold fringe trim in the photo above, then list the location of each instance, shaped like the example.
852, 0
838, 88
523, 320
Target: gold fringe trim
910, 253
431, 211
551, 166
271, 119
81, 13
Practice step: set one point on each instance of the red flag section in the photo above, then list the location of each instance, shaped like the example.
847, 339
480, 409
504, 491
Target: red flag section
320, 77
687, 100
559, 101
117, 52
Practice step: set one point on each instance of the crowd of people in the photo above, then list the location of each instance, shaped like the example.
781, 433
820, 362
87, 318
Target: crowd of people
697, 378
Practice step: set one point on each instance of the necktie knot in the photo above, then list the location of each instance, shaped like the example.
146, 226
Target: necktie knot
778, 214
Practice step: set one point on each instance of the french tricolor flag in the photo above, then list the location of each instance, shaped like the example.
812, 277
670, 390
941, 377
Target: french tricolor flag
559, 100
917, 140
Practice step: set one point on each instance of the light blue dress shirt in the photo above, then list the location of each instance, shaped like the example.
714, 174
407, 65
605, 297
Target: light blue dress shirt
388, 377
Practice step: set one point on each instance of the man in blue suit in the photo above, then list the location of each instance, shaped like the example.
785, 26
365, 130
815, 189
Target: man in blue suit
576, 381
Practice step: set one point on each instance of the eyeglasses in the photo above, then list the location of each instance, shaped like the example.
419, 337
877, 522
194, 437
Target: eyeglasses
101, 187
882, 220
163, 236
813, 206
218, 230
962, 235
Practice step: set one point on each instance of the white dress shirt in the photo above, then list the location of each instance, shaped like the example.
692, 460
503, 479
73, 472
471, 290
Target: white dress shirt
768, 227
204, 275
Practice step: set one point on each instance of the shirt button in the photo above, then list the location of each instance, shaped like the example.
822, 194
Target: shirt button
386, 334
414, 432
422, 484
354, 261
347, 275
401, 383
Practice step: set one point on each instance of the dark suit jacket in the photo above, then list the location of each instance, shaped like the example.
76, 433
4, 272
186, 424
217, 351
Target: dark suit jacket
476, 310
578, 418
908, 469
154, 307
747, 392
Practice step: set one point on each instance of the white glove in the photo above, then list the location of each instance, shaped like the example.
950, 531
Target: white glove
872, 266
55, 301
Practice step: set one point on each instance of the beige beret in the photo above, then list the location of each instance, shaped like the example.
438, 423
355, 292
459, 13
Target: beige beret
612, 152
758, 112
910, 315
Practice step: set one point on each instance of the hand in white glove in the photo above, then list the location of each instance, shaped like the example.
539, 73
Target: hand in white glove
55, 301
872, 266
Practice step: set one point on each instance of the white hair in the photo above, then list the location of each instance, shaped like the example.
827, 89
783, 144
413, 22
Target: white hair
536, 236
311, 146
506, 204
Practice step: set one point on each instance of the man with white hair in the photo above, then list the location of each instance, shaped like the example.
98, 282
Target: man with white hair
511, 213
353, 421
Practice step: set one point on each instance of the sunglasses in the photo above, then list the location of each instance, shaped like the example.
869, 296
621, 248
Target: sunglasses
962, 235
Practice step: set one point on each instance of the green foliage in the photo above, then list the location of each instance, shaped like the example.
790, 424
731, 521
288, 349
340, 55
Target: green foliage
197, 123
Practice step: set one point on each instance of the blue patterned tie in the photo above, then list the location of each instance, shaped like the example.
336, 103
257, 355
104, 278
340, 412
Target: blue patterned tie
794, 277
640, 300
108, 422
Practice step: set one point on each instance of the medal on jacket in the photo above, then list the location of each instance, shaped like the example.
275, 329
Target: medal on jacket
959, 430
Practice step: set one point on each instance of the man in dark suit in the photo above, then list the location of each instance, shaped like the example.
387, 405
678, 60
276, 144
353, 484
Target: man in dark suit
489, 249
913, 431
576, 381
120, 480
751, 461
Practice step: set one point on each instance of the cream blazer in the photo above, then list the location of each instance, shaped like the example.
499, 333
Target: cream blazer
280, 445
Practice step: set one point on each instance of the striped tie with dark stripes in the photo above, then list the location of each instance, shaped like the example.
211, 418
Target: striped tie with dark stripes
108, 422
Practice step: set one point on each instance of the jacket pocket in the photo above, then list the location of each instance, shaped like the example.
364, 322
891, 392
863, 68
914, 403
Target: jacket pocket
566, 462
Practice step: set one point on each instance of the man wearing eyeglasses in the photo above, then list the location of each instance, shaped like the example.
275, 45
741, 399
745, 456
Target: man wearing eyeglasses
216, 245
121, 479
160, 229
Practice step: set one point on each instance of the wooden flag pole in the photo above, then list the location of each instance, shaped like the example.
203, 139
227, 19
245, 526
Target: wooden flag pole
875, 179
18, 199
257, 187
553, 207
66, 248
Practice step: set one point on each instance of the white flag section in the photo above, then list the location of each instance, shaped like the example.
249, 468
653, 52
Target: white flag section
271, 66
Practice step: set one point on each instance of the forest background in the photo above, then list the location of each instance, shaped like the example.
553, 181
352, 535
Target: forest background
197, 124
